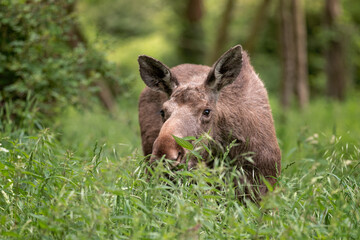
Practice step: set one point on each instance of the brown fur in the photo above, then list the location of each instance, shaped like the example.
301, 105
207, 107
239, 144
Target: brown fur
239, 111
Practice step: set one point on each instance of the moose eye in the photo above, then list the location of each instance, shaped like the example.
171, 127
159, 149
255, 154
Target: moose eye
162, 113
206, 112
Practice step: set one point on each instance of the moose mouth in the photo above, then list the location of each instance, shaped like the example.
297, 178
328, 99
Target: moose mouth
183, 161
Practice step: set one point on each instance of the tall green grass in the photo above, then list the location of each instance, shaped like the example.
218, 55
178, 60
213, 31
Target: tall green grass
78, 181
79, 130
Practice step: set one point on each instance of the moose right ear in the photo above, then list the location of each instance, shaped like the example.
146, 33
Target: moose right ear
156, 75
225, 70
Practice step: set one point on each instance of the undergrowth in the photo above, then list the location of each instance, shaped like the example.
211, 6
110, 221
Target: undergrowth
52, 190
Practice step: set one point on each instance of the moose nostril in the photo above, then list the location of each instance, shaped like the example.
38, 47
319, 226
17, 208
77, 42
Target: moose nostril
179, 156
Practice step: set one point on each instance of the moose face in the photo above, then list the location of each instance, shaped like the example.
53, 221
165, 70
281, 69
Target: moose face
191, 108
190, 111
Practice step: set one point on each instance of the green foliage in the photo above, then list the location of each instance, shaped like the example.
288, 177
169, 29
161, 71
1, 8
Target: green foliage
42, 56
323, 120
152, 21
124, 19
51, 188
183, 143
79, 129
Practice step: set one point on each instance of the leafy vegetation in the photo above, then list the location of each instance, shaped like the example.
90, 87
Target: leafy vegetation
44, 59
58, 189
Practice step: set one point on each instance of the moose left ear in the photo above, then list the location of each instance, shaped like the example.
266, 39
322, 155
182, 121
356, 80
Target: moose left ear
226, 69
156, 75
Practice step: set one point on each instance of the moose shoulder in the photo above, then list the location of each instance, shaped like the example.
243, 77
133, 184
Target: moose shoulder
227, 100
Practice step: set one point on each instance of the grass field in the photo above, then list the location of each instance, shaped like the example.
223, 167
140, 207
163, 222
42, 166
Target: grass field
83, 178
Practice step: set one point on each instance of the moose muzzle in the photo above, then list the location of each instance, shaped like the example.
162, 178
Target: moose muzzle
165, 145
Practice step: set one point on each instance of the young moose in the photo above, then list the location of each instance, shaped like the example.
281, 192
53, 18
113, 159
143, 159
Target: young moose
228, 101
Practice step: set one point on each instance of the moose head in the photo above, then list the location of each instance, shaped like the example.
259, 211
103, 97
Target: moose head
191, 108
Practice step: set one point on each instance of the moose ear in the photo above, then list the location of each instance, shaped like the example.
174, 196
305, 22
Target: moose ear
226, 69
156, 75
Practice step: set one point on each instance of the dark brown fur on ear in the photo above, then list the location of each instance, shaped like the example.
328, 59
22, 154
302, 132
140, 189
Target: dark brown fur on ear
156, 75
226, 69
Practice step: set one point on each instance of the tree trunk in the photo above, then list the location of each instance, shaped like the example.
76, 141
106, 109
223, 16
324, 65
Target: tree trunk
191, 45
294, 53
223, 32
257, 26
300, 40
287, 53
335, 61
75, 37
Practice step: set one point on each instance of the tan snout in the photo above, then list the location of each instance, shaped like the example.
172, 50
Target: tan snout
166, 145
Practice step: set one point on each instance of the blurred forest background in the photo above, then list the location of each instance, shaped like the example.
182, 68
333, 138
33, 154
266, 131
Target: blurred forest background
71, 52
59, 57
61, 60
